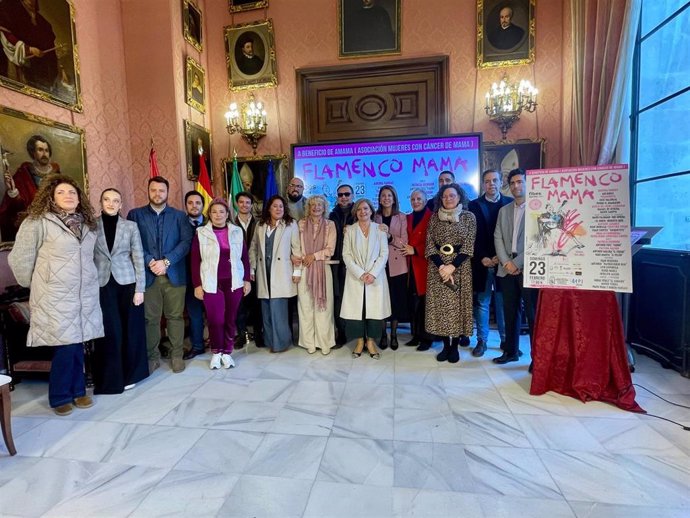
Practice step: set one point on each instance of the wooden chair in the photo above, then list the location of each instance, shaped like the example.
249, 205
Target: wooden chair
5, 411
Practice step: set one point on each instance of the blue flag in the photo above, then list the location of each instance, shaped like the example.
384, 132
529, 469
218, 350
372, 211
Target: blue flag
271, 188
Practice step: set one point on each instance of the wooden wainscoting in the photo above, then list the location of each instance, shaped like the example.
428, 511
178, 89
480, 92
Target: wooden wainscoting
400, 98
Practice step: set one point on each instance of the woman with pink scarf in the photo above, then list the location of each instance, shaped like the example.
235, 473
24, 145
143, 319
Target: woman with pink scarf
313, 246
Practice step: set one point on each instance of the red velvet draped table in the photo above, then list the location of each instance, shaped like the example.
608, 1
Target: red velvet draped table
579, 349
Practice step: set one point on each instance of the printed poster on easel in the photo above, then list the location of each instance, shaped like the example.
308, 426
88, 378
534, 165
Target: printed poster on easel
577, 228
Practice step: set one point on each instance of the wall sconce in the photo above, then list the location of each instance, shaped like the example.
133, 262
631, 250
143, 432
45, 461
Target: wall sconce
250, 123
505, 102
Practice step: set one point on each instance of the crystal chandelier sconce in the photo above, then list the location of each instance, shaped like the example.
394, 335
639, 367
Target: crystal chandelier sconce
250, 122
505, 102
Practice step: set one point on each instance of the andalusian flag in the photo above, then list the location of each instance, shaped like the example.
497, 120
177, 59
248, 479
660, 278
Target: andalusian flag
203, 183
235, 186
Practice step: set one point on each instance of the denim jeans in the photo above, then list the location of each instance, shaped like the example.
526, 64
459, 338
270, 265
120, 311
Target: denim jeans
66, 380
481, 308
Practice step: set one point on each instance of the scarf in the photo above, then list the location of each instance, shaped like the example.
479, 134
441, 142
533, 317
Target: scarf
71, 221
450, 215
314, 241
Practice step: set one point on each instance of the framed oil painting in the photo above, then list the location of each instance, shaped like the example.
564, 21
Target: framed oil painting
368, 27
506, 156
196, 94
253, 173
250, 55
505, 33
39, 54
197, 148
34, 146
192, 24
237, 6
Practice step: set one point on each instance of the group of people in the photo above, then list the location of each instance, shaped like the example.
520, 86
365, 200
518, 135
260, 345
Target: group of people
112, 280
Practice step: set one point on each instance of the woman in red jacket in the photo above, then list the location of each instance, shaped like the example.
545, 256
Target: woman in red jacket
417, 222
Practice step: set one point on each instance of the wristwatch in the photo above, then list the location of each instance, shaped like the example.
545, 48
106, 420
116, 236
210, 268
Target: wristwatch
166, 262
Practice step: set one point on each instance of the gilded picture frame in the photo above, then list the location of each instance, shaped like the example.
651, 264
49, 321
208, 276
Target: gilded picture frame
193, 24
253, 173
50, 48
505, 33
67, 146
250, 55
193, 136
507, 155
367, 28
236, 6
195, 85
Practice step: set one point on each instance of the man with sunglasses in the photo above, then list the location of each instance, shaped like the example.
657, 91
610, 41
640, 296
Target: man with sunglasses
342, 216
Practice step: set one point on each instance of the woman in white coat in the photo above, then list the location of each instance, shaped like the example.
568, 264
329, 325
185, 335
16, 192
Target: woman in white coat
366, 301
271, 266
314, 245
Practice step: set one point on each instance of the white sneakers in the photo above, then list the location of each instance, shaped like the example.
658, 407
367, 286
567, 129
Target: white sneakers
227, 361
223, 359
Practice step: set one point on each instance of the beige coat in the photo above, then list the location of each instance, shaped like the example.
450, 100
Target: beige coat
281, 265
365, 255
61, 273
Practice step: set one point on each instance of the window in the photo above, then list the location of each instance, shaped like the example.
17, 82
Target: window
660, 152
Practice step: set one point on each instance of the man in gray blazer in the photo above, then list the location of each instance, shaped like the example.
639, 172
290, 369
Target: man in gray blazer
509, 238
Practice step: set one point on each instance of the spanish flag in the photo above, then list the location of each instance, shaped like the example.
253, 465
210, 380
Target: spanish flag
203, 183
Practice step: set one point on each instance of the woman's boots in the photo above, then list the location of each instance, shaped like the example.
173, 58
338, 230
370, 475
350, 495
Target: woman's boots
450, 350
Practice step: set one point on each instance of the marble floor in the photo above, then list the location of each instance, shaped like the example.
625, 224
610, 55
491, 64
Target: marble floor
294, 435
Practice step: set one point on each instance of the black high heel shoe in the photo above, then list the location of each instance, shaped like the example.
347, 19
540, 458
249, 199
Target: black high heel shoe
394, 342
376, 355
360, 346
383, 343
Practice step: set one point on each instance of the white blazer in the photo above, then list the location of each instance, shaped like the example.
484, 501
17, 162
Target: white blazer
365, 255
281, 265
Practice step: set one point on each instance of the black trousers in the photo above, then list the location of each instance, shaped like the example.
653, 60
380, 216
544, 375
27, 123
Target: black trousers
250, 314
119, 358
418, 311
514, 296
338, 271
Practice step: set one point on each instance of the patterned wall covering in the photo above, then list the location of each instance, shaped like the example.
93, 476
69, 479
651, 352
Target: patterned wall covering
132, 70
105, 120
306, 35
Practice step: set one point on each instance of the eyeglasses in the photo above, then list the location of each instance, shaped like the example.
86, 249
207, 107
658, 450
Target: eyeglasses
344, 194
296, 186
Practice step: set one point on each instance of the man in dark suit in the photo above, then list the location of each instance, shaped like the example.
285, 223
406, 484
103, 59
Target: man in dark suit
166, 236
249, 63
194, 205
342, 216
250, 307
509, 239
484, 263
507, 35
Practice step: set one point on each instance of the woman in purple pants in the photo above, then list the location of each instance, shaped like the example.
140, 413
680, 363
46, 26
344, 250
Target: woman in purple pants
220, 275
